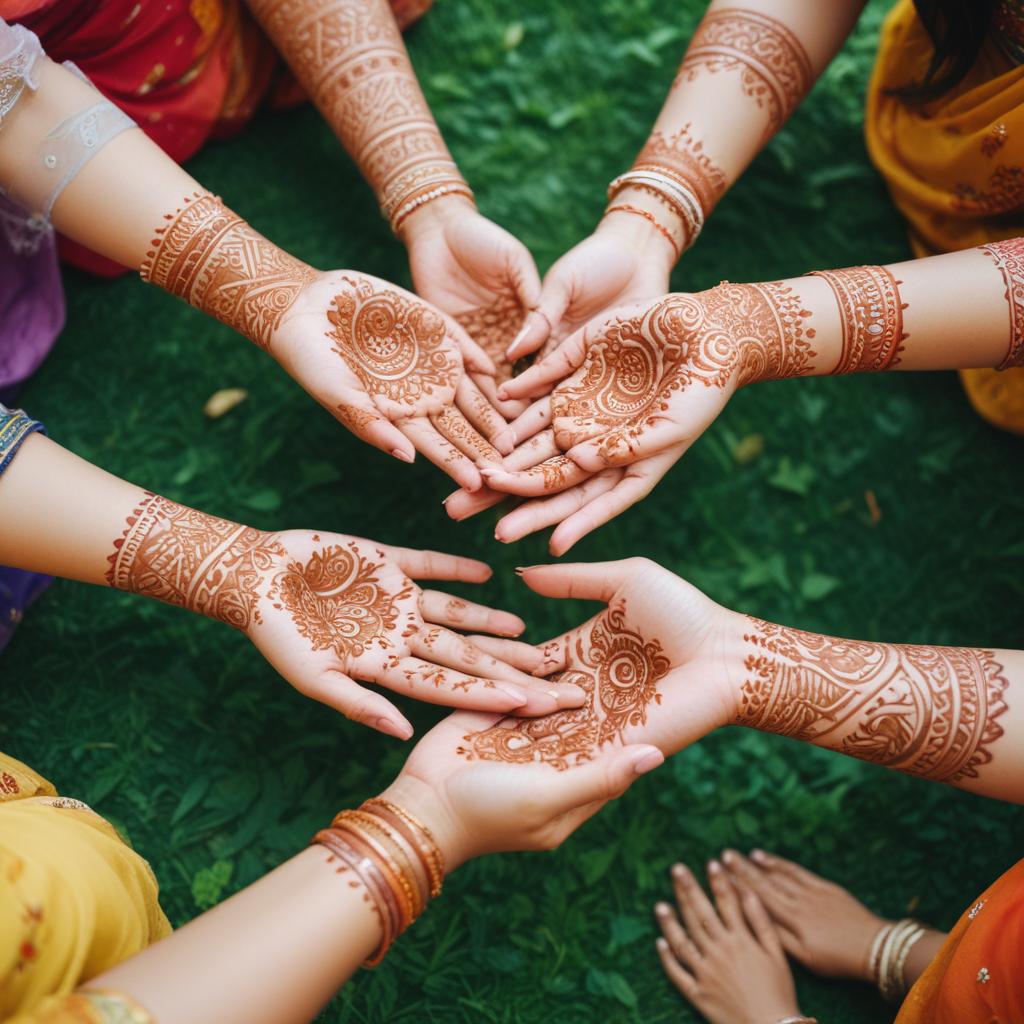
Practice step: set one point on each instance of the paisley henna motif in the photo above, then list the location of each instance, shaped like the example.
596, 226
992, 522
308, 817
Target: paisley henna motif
194, 560
731, 333
872, 317
619, 671
395, 346
338, 601
1009, 258
774, 67
212, 259
493, 327
928, 711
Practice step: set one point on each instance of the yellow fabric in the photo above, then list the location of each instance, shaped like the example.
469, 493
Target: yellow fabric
75, 899
101, 1007
954, 167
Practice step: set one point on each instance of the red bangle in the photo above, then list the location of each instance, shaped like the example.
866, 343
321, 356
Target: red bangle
650, 218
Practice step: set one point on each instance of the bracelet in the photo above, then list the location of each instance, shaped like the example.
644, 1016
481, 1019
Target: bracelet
648, 216
15, 426
396, 858
400, 188
798, 1019
452, 187
675, 193
888, 957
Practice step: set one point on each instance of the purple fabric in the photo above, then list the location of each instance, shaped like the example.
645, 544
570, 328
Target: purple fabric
31, 299
18, 589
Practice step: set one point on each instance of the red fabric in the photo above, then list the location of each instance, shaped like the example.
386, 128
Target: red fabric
185, 70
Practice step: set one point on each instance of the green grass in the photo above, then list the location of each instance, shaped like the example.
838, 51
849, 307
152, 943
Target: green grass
178, 731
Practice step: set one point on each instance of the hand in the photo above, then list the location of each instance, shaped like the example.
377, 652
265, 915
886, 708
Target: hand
326, 609
726, 958
389, 367
475, 807
651, 664
478, 273
625, 260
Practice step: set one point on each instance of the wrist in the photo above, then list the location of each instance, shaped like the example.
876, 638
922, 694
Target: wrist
732, 654
424, 802
433, 215
639, 233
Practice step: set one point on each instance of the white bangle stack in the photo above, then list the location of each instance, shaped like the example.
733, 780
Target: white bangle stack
420, 186
888, 957
677, 196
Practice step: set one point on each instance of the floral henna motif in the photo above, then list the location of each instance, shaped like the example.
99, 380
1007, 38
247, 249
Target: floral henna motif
493, 327
212, 259
742, 331
872, 317
619, 671
776, 71
338, 600
351, 59
682, 158
395, 346
1009, 258
928, 711
194, 560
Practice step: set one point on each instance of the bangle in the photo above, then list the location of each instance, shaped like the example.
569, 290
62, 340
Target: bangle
394, 856
681, 197
798, 1019
648, 216
889, 953
428, 195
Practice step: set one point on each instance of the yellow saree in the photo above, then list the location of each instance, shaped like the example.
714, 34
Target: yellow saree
955, 165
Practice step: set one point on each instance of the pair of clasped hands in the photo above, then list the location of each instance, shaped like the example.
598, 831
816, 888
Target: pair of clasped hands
575, 433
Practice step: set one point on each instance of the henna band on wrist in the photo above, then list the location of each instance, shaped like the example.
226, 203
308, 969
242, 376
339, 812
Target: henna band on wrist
651, 219
396, 858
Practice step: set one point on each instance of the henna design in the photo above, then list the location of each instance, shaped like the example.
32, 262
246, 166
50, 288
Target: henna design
459, 431
493, 327
197, 561
619, 671
338, 601
1009, 258
212, 259
927, 711
744, 332
397, 347
872, 317
351, 59
682, 157
353, 418
775, 69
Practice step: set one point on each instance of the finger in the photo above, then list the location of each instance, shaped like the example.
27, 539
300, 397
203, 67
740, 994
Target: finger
462, 504
473, 356
442, 453
526, 280
773, 862
483, 416
542, 512
760, 924
438, 565
773, 891
524, 656
542, 318
626, 445
489, 388
451, 424
790, 941
438, 684
677, 974
358, 414
559, 651
454, 611
591, 581
536, 417
680, 943
636, 483
344, 694
604, 778
702, 924
544, 374
441, 646
549, 477
726, 898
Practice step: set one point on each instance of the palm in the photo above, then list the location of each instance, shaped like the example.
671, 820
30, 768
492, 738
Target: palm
387, 365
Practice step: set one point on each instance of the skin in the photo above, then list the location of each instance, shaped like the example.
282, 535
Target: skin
953, 313
300, 596
728, 958
121, 205
259, 956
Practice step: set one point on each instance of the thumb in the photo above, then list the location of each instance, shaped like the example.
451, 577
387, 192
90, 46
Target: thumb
605, 778
543, 317
591, 581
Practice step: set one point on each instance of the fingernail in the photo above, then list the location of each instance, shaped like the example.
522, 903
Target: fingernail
520, 569
728, 856
516, 695
400, 730
760, 856
662, 944
648, 762
570, 695
714, 867
404, 456
679, 870
502, 392
661, 908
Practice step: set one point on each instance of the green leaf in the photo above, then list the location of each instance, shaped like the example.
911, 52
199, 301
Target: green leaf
791, 478
594, 864
208, 883
818, 585
513, 35
266, 500
193, 794
621, 989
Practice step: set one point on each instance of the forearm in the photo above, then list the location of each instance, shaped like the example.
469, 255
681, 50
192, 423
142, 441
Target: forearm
958, 310
949, 714
349, 56
746, 69
273, 954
